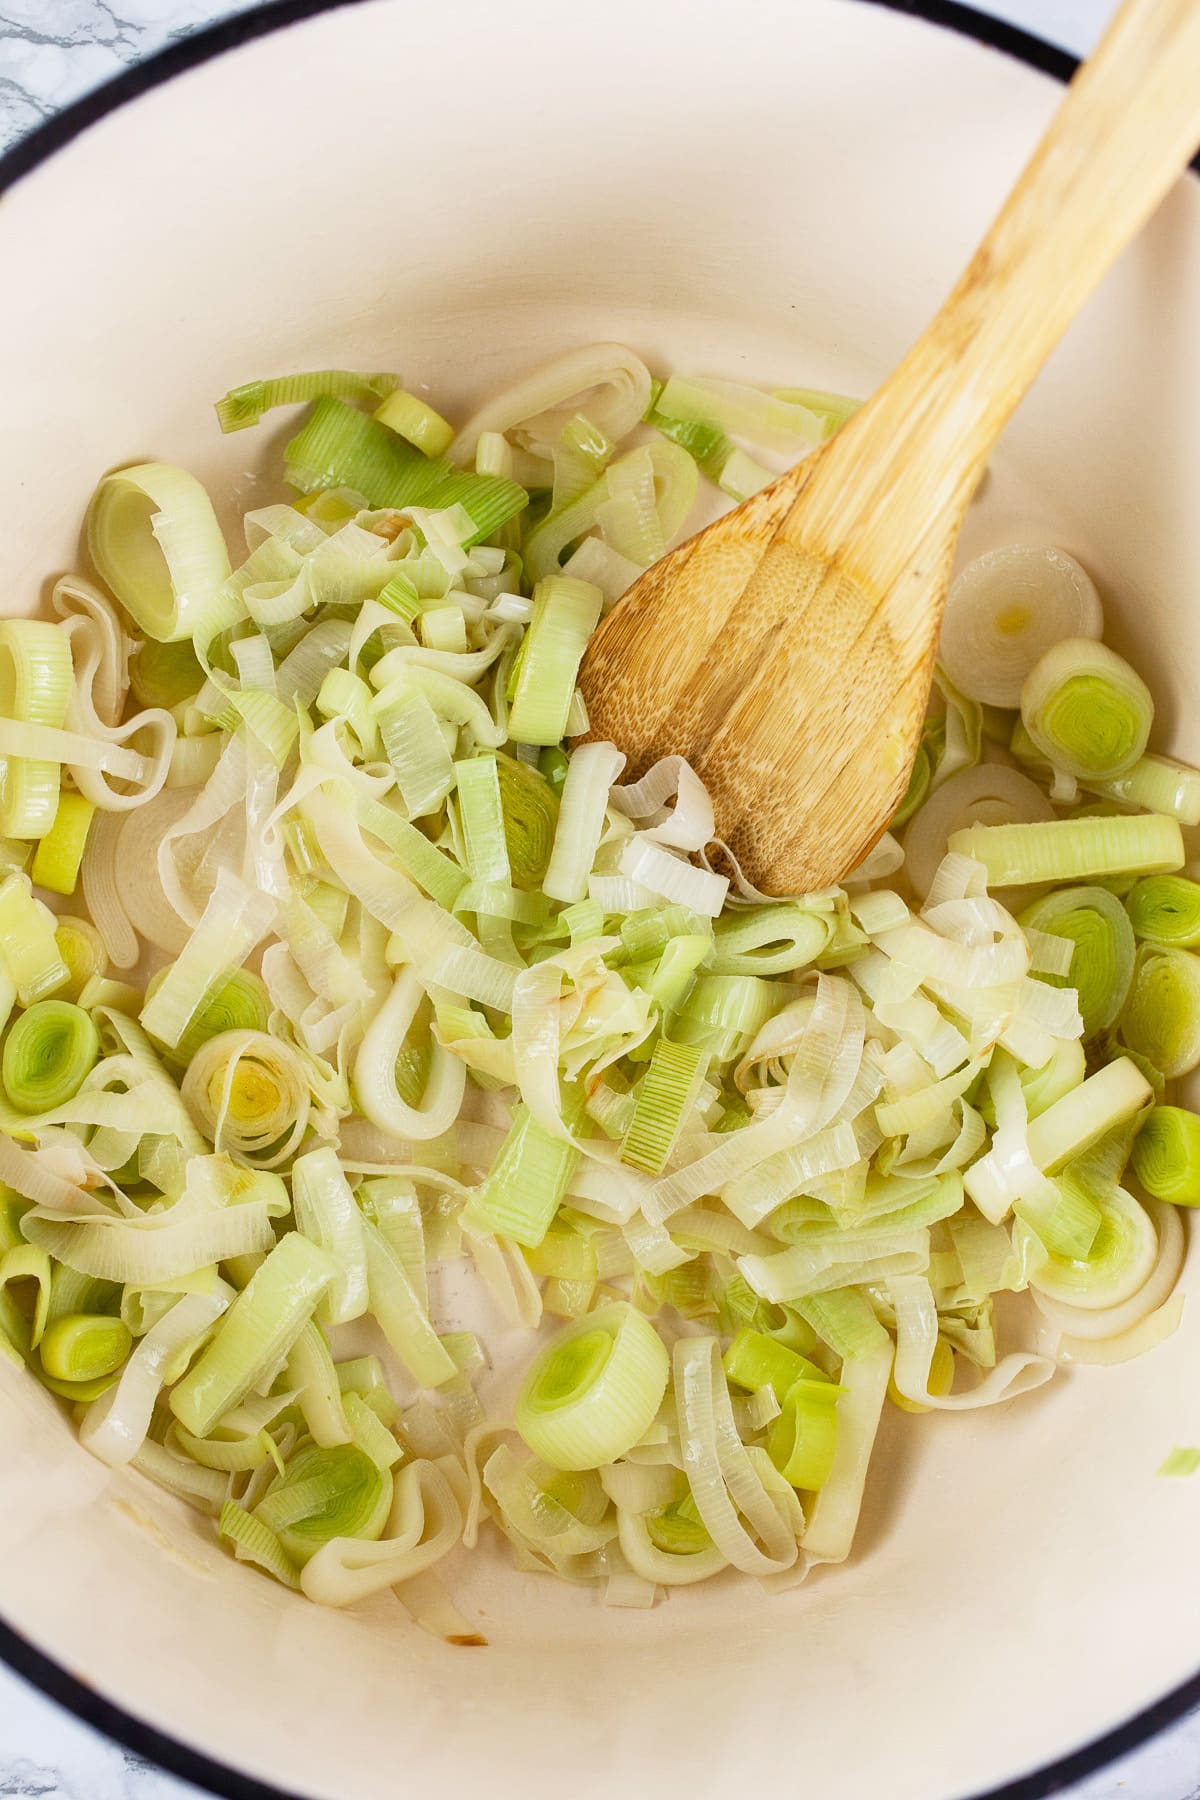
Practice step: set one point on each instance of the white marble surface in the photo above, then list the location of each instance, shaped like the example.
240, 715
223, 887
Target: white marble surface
51, 51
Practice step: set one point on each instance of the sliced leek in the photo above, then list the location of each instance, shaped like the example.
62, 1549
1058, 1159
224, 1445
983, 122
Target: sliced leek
154, 537
450, 1018
1166, 1155
594, 1390
1161, 1018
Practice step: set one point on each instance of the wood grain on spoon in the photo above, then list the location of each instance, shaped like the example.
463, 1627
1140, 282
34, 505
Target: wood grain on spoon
787, 650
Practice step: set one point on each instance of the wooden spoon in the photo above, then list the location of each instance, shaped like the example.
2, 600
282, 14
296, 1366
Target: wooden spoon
787, 650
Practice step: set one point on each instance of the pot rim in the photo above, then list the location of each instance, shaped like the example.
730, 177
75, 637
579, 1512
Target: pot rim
21, 159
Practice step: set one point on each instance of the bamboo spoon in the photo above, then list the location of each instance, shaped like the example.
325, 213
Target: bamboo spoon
787, 650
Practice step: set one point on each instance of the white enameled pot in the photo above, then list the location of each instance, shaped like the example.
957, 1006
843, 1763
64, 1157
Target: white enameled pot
781, 190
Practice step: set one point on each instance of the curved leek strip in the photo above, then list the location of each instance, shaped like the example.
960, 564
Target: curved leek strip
1118, 1265
938, 1380
594, 1390
255, 1334
591, 772
1101, 970
330, 1493
99, 644
605, 382
663, 875
130, 844
1165, 910
555, 1516
193, 760
1166, 1155
917, 1346
36, 679
991, 794
82, 752
311, 1375
375, 1086
769, 420
829, 1534
667, 1568
147, 1252
1086, 710
1005, 610
154, 537
754, 1526
1073, 849
398, 1310
115, 1427
47, 1053
101, 892
1112, 1321
425, 1523
205, 1489
327, 1212
410, 418
28, 947
953, 740
1161, 1018
1154, 1329
29, 1175
245, 405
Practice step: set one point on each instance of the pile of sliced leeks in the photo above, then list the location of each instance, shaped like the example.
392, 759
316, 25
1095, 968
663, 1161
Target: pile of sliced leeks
371, 977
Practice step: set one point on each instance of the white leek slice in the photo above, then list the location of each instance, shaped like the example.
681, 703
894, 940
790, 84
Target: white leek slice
1005, 610
606, 382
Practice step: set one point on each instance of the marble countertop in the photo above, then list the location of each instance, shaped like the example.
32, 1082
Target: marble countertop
51, 51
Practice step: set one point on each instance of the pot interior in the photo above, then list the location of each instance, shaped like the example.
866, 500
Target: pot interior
783, 195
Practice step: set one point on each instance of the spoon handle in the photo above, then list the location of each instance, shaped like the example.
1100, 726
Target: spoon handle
902, 470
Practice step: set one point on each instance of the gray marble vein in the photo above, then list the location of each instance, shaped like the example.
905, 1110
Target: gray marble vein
50, 52
53, 50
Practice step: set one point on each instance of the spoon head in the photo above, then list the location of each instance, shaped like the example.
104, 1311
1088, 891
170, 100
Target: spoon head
795, 691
